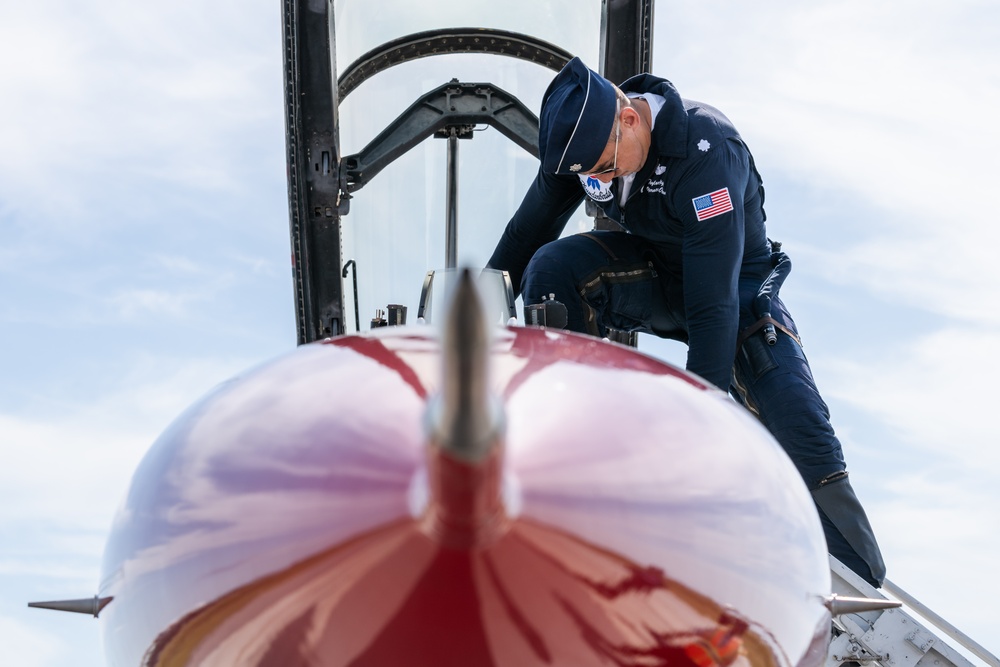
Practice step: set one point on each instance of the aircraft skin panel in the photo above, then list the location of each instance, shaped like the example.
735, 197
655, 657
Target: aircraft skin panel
283, 520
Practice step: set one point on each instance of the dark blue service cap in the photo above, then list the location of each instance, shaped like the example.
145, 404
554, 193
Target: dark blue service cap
578, 114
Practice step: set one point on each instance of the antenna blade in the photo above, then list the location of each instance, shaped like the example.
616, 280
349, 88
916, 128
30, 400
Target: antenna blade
839, 605
92, 606
466, 421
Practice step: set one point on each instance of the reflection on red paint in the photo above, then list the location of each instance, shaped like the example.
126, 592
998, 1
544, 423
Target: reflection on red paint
279, 521
720, 647
394, 597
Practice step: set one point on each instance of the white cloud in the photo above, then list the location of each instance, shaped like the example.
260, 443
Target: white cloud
933, 392
66, 565
927, 473
886, 102
115, 98
25, 645
937, 537
133, 303
69, 465
875, 121
953, 276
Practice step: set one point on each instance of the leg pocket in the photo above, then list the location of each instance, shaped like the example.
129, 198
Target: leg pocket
756, 357
621, 296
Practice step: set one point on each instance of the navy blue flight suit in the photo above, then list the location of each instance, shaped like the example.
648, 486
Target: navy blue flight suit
689, 266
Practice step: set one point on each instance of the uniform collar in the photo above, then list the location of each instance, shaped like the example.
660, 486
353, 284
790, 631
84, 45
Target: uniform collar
670, 136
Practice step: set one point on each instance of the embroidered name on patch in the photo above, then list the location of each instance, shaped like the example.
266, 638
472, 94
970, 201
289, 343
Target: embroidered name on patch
654, 186
712, 204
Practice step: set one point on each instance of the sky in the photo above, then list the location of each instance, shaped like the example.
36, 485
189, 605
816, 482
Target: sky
144, 258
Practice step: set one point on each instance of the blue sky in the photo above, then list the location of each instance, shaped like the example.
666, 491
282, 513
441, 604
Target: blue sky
144, 257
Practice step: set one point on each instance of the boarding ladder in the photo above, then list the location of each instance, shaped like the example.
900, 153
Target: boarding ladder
894, 637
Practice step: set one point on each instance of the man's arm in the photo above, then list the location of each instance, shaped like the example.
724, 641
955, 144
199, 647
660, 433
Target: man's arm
541, 217
709, 199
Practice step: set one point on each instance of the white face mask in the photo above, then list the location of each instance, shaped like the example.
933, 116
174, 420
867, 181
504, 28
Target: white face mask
595, 188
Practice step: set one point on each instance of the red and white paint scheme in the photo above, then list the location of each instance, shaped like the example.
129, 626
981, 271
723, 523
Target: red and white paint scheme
462, 496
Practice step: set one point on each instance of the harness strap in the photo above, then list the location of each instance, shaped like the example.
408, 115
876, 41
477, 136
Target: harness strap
760, 324
602, 244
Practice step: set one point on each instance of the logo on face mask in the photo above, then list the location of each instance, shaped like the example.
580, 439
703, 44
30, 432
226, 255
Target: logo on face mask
596, 189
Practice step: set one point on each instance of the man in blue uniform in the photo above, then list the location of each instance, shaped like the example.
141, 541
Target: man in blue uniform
692, 263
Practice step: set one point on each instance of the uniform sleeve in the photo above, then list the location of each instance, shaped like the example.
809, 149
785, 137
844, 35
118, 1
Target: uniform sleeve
709, 200
541, 217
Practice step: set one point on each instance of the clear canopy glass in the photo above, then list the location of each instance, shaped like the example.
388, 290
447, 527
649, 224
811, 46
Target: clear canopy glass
395, 231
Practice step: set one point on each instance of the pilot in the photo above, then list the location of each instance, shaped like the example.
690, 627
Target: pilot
689, 259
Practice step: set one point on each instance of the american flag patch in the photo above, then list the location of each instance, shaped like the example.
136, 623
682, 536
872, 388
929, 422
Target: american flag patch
712, 204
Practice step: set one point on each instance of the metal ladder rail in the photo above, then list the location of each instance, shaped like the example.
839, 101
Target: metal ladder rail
893, 637
941, 624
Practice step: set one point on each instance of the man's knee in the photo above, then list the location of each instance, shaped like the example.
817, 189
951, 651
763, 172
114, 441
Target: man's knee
555, 272
555, 266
